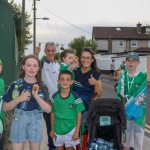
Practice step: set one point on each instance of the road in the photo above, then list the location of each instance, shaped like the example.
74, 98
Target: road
109, 92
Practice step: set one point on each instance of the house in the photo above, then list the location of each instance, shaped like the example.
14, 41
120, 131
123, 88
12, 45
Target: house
112, 40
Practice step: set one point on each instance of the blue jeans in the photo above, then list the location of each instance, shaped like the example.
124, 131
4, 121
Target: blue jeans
48, 125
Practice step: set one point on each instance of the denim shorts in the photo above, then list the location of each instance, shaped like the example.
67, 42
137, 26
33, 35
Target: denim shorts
26, 125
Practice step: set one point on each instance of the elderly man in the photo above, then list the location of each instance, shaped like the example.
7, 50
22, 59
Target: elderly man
50, 72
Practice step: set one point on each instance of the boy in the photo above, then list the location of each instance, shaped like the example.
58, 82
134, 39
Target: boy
132, 87
123, 65
66, 114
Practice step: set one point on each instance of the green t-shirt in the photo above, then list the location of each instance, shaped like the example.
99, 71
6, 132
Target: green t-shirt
123, 67
2, 114
130, 87
66, 110
64, 66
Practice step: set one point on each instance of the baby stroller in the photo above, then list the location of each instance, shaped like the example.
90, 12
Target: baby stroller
106, 121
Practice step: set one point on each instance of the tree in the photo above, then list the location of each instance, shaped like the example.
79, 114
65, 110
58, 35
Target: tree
17, 15
79, 43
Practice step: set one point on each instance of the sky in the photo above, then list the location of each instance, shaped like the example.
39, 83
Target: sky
69, 19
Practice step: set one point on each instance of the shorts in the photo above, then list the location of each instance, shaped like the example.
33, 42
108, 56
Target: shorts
26, 125
66, 139
112, 71
134, 135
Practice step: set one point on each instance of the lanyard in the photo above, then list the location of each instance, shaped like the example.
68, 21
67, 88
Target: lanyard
130, 85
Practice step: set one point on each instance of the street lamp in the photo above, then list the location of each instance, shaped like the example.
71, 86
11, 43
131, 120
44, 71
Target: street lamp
44, 18
34, 36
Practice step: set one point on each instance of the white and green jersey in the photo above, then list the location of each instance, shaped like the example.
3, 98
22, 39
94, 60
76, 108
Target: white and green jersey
133, 89
66, 110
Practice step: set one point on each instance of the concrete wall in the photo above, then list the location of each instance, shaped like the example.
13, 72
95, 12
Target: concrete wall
104, 61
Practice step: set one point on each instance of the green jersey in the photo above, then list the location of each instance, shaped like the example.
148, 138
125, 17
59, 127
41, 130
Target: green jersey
133, 89
123, 67
66, 110
64, 66
2, 114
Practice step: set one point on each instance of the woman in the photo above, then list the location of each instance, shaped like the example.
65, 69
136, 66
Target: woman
87, 77
87, 83
87, 80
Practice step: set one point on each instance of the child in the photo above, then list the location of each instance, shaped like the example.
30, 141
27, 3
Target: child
2, 114
112, 70
66, 114
117, 76
132, 87
27, 123
69, 61
123, 65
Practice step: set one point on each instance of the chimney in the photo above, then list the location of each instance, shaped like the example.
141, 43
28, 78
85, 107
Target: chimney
139, 28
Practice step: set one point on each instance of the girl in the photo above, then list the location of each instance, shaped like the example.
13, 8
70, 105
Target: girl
27, 124
69, 61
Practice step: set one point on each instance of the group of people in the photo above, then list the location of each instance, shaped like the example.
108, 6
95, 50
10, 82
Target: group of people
115, 73
68, 88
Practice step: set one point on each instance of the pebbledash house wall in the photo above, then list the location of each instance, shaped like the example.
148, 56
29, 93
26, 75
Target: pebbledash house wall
103, 45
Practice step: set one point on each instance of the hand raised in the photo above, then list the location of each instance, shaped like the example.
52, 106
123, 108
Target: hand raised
92, 80
35, 89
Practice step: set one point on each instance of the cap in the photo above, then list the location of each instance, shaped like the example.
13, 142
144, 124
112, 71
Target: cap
133, 55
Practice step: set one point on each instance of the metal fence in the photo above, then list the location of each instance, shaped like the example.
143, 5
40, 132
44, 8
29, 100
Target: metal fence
8, 45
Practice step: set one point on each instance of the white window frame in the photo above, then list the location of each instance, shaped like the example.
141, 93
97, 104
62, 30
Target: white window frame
147, 30
134, 43
121, 43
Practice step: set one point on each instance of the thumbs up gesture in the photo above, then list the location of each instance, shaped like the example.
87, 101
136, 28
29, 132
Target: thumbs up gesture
92, 80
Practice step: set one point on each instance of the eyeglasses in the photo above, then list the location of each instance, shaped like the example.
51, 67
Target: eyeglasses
86, 58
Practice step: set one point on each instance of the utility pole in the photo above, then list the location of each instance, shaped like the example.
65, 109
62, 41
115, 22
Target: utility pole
34, 25
23, 28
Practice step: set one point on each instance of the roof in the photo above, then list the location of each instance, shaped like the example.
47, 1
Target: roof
119, 33
142, 49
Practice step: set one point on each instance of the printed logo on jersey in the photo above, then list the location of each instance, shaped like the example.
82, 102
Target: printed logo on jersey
137, 85
71, 106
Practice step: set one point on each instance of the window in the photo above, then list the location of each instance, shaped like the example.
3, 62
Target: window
121, 43
147, 30
133, 43
118, 29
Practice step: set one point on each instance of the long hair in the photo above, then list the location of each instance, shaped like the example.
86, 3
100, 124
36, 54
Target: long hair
39, 73
94, 63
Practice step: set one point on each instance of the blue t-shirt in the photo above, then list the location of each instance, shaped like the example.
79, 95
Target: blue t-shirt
82, 87
32, 103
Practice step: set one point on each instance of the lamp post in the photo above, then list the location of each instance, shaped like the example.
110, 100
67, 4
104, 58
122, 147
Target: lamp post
34, 28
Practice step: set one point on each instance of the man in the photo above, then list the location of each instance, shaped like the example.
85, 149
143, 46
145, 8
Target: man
50, 72
112, 69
